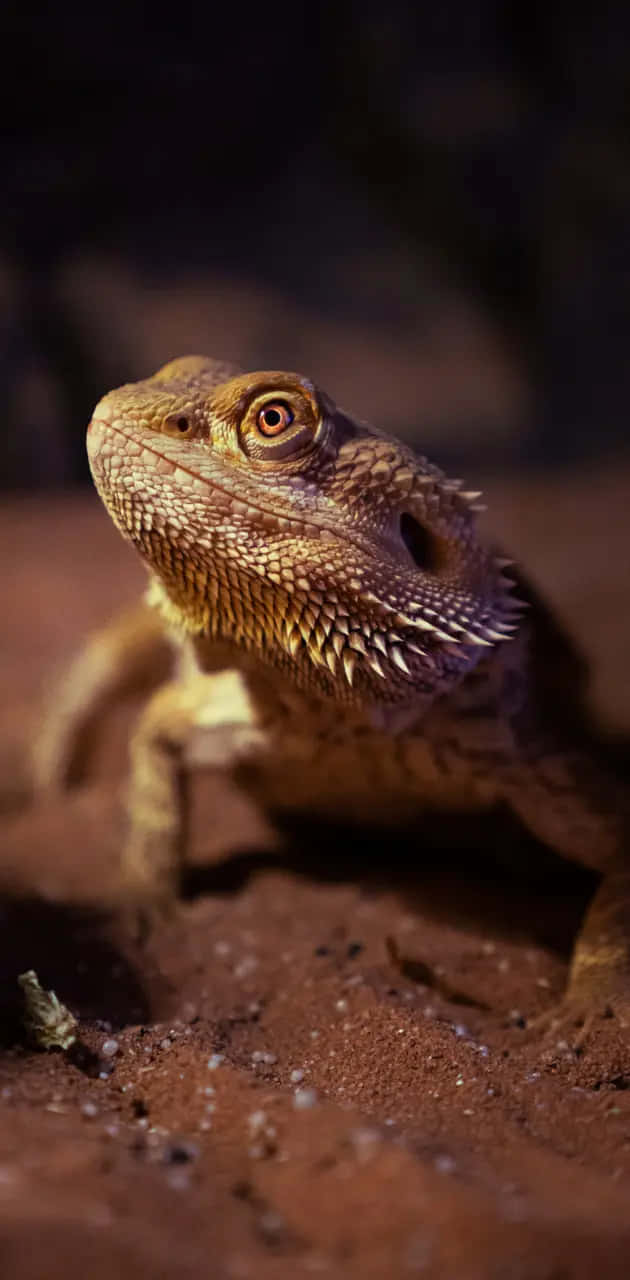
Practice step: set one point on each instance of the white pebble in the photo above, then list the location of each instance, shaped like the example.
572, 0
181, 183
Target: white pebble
109, 1048
304, 1098
256, 1121
296, 1076
215, 1061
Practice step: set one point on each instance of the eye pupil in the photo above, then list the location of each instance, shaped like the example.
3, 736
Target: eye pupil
273, 418
182, 424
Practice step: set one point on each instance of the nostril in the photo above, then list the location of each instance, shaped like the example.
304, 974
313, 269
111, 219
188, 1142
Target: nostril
422, 546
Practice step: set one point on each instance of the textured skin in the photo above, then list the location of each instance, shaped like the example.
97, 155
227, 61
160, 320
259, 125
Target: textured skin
347, 643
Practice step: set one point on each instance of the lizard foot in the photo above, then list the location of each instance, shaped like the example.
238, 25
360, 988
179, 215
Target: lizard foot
590, 1031
573, 1021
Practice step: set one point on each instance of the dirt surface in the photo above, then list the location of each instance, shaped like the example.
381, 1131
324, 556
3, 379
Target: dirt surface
259, 1091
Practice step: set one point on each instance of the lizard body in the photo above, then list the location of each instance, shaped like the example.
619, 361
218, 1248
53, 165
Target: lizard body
347, 643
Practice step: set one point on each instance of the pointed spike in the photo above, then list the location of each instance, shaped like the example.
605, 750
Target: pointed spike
375, 664
349, 663
503, 562
478, 507
495, 635
357, 642
397, 658
471, 638
342, 625
421, 624
295, 642
315, 655
331, 659
471, 495
436, 631
338, 642
379, 643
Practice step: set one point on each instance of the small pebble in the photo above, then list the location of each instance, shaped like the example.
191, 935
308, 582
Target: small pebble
271, 1224
365, 1142
89, 1109
109, 1048
246, 966
296, 1076
304, 1098
215, 1060
256, 1121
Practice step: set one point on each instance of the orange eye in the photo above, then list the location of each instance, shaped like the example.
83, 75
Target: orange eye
274, 418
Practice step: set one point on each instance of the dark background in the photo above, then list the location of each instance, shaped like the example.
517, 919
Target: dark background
425, 207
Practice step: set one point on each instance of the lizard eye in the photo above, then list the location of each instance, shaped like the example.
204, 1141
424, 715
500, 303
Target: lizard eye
273, 429
274, 418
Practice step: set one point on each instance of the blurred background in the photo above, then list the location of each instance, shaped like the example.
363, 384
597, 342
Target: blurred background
424, 207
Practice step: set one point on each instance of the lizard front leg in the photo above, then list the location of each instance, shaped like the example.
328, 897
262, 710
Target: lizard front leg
207, 719
131, 654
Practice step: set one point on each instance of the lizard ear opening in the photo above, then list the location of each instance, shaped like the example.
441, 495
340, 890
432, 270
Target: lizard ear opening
423, 548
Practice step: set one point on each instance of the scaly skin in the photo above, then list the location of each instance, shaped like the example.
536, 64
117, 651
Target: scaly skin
348, 644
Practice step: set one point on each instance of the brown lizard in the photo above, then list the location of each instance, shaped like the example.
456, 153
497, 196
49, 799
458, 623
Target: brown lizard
347, 644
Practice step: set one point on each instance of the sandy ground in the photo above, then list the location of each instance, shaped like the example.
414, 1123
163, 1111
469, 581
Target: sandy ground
259, 1091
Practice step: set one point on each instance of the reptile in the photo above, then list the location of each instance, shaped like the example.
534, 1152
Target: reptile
343, 640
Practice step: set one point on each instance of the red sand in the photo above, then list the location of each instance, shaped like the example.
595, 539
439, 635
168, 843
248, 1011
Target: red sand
281, 1101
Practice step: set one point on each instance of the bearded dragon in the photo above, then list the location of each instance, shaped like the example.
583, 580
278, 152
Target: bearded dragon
344, 641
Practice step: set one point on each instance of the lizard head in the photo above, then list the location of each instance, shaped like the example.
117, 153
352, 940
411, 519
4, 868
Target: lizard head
273, 520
